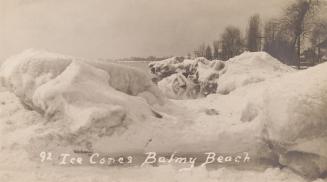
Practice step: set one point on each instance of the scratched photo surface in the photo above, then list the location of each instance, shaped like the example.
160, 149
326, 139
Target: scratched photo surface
163, 90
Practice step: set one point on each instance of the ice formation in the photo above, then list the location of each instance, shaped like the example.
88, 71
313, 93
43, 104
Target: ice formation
273, 112
184, 78
295, 119
85, 93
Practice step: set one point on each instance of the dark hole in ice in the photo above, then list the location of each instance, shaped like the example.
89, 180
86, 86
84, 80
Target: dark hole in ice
156, 114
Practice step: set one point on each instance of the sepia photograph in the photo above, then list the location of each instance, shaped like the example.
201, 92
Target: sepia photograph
163, 91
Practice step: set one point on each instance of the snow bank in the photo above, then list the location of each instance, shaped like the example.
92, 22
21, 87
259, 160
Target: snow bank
158, 174
295, 118
83, 92
279, 120
249, 68
131, 81
25, 72
287, 114
72, 94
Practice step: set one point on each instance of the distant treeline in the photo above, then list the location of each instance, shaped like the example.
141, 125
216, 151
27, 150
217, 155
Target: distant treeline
294, 37
150, 58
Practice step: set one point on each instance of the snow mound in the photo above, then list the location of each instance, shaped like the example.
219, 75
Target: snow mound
248, 68
286, 115
25, 72
72, 95
84, 93
295, 119
130, 81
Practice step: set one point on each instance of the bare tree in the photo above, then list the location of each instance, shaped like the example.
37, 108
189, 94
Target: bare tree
232, 43
284, 37
254, 34
296, 18
188, 56
215, 49
200, 51
277, 42
208, 54
318, 35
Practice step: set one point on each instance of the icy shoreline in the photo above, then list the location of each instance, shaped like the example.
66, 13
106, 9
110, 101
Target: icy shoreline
280, 118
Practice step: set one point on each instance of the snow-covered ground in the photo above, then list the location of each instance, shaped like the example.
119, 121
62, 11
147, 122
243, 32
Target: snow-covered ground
61, 104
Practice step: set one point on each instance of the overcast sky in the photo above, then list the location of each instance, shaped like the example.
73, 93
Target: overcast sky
122, 28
